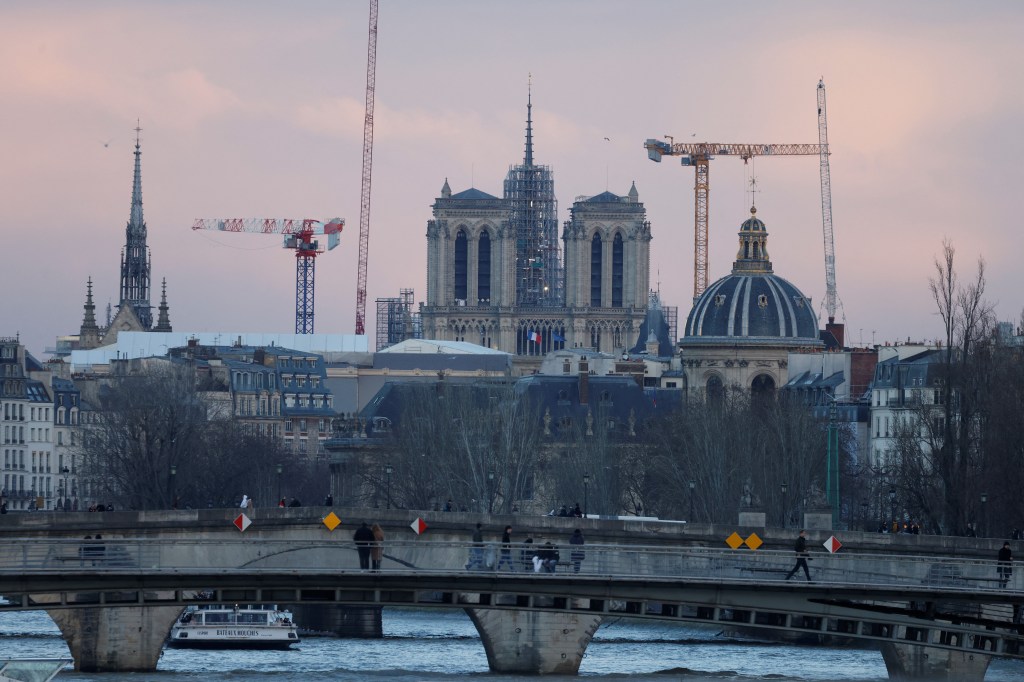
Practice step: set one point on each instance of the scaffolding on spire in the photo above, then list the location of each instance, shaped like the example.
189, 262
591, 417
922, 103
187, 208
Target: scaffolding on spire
533, 219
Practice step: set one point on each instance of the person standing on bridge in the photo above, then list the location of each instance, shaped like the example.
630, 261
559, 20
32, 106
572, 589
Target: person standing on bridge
506, 550
377, 552
476, 550
576, 553
363, 538
1005, 564
801, 556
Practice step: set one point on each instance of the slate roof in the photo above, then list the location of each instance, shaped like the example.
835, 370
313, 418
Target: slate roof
762, 306
473, 193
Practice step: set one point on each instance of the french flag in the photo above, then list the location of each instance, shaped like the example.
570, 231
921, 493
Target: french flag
534, 336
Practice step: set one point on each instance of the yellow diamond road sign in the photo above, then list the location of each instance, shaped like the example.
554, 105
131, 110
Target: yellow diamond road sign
753, 542
734, 541
332, 521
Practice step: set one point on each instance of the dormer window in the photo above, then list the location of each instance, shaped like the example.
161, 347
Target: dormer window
762, 301
720, 300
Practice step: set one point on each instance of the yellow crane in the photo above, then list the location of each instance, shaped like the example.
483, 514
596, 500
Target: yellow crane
698, 154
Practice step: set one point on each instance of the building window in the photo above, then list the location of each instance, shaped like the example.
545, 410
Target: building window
595, 270
461, 266
483, 269
618, 276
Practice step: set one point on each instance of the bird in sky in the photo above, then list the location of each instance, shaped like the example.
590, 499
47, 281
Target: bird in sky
609, 139
107, 143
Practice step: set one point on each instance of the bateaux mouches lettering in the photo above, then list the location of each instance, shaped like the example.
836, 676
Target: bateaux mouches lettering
238, 633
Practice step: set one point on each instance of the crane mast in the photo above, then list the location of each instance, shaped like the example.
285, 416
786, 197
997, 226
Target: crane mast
826, 209
364, 201
698, 154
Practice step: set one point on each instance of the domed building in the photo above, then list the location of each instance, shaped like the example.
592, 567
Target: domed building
742, 328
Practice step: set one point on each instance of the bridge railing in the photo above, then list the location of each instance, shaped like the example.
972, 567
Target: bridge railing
425, 555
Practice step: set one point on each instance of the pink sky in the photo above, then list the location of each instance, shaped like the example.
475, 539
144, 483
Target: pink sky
256, 109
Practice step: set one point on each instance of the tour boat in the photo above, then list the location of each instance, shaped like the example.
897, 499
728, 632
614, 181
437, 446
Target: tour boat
234, 627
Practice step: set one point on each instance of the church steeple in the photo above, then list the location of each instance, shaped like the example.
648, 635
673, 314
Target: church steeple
89, 334
163, 322
528, 159
135, 261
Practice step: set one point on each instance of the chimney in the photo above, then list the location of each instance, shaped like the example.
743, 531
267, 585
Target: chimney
838, 330
584, 381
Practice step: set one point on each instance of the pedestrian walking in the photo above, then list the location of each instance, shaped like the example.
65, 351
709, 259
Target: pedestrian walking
476, 550
377, 551
1005, 564
576, 553
506, 550
363, 537
801, 556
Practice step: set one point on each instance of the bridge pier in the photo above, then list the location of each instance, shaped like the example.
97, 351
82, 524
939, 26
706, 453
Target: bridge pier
115, 639
534, 642
914, 662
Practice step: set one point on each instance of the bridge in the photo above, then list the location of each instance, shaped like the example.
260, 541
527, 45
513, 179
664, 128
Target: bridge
937, 611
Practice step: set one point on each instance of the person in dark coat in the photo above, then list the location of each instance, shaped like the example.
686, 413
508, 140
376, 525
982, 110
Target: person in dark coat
506, 550
801, 556
1005, 564
364, 540
576, 553
526, 554
476, 550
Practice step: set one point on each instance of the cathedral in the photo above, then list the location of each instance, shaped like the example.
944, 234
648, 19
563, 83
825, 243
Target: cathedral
134, 311
496, 275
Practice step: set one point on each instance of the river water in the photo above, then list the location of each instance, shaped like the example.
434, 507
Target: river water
443, 646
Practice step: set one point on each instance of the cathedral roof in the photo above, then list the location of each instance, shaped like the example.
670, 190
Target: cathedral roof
605, 197
473, 193
753, 304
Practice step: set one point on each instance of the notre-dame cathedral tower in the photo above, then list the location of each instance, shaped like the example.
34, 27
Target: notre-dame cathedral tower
496, 275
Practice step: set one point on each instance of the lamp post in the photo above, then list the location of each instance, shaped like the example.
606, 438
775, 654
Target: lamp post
586, 491
984, 518
892, 503
693, 485
174, 473
279, 470
784, 487
64, 488
490, 492
388, 470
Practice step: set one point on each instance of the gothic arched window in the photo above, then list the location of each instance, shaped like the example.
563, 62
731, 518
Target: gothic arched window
595, 270
461, 265
617, 271
483, 272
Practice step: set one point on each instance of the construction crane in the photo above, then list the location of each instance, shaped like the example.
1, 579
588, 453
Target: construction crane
698, 154
826, 209
299, 236
364, 201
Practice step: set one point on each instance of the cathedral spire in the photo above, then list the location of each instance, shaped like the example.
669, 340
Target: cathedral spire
89, 334
163, 322
135, 262
528, 160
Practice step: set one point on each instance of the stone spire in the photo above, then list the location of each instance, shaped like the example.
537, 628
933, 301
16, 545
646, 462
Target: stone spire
163, 322
89, 334
135, 262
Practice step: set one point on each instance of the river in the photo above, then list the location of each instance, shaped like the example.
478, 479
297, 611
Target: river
443, 646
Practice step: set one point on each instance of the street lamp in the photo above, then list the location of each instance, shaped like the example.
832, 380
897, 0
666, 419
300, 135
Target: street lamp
892, 503
984, 518
490, 491
64, 489
388, 470
784, 487
586, 494
279, 470
174, 472
693, 484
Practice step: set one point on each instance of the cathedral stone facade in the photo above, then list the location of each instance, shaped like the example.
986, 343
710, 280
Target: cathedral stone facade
496, 276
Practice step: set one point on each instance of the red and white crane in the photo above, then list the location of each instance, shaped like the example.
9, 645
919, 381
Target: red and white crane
364, 202
300, 235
